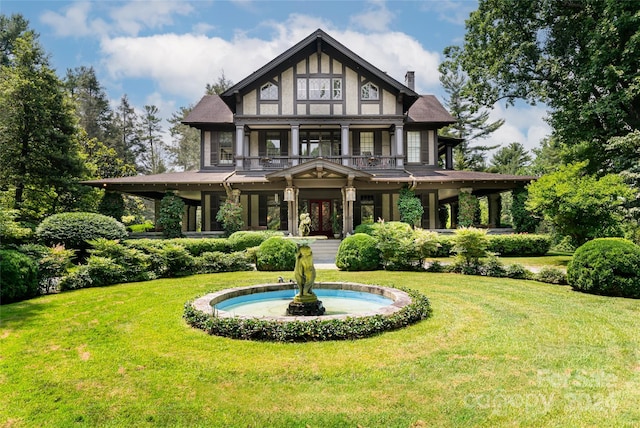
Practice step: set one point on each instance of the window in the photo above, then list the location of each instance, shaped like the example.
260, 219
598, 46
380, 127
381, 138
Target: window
319, 88
226, 148
302, 89
319, 143
367, 210
366, 143
269, 91
273, 212
369, 91
337, 89
413, 147
273, 143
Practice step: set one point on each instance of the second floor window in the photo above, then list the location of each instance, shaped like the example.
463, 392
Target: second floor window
269, 91
366, 143
413, 147
319, 88
369, 91
226, 148
273, 143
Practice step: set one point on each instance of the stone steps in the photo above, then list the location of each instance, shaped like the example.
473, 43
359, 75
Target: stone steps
325, 250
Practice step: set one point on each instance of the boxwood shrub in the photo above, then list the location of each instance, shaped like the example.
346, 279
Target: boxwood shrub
240, 241
19, 276
276, 254
525, 245
358, 252
216, 261
607, 266
197, 246
74, 230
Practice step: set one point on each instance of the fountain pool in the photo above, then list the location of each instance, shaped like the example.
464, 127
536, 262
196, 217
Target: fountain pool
269, 301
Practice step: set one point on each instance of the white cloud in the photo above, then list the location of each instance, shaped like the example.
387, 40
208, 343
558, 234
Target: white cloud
136, 16
524, 124
453, 11
183, 64
130, 18
74, 22
376, 18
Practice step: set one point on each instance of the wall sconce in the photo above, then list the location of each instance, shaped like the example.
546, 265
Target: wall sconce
289, 194
276, 198
351, 194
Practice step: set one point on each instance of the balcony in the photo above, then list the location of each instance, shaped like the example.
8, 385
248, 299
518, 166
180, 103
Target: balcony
269, 163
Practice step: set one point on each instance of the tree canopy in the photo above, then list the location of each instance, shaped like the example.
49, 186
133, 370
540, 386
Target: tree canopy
578, 57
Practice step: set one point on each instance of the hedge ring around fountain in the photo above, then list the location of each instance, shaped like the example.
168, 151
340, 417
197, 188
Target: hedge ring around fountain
276, 312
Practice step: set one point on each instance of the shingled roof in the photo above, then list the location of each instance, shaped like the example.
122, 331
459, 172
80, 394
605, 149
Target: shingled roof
428, 109
210, 109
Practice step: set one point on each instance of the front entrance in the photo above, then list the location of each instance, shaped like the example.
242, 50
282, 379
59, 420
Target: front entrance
320, 212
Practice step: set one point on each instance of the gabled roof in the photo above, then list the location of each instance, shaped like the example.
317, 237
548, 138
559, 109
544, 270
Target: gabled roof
317, 41
428, 109
210, 109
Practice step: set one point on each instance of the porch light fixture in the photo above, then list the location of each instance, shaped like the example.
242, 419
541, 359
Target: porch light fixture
351, 194
289, 194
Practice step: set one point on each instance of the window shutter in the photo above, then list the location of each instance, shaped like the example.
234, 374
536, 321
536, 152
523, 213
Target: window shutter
424, 147
215, 207
357, 212
262, 144
284, 216
356, 144
377, 207
262, 210
284, 144
215, 149
424, 199
377, 143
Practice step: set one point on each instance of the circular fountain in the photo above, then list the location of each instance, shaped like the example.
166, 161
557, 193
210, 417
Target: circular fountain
274, 311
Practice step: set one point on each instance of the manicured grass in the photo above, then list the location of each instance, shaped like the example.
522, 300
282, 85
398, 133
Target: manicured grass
496, 352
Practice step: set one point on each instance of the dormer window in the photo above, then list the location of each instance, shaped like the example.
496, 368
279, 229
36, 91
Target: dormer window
369, 91
269, 91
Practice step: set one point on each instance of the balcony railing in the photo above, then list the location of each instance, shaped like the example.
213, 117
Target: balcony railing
261, 163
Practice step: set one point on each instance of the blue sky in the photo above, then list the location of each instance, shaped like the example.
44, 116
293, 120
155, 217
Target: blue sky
165, 52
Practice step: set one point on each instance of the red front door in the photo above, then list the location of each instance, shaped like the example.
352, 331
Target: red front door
320, 211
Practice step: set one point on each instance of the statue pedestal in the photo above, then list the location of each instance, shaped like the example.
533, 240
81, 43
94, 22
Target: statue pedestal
306, 309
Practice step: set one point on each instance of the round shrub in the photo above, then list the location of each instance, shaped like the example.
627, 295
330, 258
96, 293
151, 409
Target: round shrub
358, 252
240, 241
18, 276
73, 230
606, 266
275, 254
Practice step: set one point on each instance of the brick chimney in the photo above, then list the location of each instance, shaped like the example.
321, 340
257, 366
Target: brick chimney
410, 80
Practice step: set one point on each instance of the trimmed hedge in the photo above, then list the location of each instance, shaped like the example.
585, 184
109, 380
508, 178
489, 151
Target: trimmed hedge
197, 246
358, 252
312, 330
240, 241
276, 254
524, 245
18, 276
74, 230
216, 261
606, 266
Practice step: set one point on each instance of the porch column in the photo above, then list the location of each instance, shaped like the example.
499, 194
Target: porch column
494, 209
454, 214
348, 198
240, 147
295, 144
291, 196
399, 146
344, 140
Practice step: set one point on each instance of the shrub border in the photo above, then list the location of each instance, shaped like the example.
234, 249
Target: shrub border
313, 328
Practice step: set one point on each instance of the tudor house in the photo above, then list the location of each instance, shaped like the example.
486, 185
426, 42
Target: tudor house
322, 131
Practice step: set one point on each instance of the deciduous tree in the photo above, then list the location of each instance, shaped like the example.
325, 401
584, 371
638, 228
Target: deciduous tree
578, 57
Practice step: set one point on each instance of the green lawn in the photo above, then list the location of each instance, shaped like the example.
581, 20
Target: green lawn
497, 352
